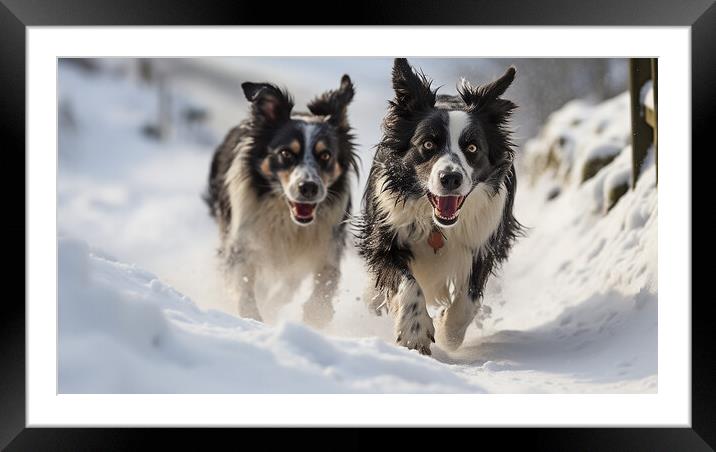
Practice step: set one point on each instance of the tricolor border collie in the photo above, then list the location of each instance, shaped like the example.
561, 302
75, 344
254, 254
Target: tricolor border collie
279, 190
437, 216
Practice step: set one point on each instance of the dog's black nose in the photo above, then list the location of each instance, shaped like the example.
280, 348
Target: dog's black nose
450, 180
308, 189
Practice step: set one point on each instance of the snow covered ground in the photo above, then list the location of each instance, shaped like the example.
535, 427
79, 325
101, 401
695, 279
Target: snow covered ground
142, 308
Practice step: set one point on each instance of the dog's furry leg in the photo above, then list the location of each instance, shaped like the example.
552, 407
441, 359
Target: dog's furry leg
413, 325
454, 320
245, 292
318, 310
241, 279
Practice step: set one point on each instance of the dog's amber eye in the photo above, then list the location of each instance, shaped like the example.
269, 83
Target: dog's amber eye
428, 145
471, 148
325, 156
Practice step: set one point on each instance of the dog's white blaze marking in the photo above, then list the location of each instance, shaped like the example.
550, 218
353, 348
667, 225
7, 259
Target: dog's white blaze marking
307, 170
308, 130
457, 122
309, 162
454, 160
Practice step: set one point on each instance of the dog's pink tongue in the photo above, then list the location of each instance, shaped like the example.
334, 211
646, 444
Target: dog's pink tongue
304, 210
447, 205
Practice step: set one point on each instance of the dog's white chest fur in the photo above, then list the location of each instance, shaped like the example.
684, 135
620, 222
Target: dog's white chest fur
439, 272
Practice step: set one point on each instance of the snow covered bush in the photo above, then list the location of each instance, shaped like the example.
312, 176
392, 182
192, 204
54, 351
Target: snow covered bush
578, 141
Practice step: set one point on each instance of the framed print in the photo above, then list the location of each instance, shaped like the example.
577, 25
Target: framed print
404, 217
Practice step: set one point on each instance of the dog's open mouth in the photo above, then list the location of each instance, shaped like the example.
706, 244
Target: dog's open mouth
302, 212
446, 208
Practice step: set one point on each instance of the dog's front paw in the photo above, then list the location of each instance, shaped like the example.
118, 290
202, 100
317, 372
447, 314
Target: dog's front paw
449, 337
449, 340
452, 323
417, 336
250, 312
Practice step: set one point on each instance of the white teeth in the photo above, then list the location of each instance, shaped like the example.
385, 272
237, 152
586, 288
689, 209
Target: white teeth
437, 214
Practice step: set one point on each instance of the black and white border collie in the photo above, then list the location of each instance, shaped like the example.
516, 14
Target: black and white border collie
437, 216
279, 190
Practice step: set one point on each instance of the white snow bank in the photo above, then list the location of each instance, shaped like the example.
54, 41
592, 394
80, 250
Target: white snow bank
124, 331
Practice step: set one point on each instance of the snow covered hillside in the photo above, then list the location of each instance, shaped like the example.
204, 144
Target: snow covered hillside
142, 307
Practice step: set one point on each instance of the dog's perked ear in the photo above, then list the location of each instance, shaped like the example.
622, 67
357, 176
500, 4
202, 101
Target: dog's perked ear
412, 89
334, 103
479, 97
268, 102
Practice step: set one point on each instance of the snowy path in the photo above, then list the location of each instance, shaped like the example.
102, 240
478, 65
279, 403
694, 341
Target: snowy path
573, 310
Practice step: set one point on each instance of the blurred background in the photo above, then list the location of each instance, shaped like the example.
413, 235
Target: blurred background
136, 137
542, 84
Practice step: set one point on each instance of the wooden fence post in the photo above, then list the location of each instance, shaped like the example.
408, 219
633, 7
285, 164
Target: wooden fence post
642, 134
655, 78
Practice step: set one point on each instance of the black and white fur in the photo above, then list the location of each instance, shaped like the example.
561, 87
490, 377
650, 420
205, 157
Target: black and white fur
279, 190
438, 148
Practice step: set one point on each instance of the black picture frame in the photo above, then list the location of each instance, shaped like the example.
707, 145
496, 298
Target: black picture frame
16, 15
